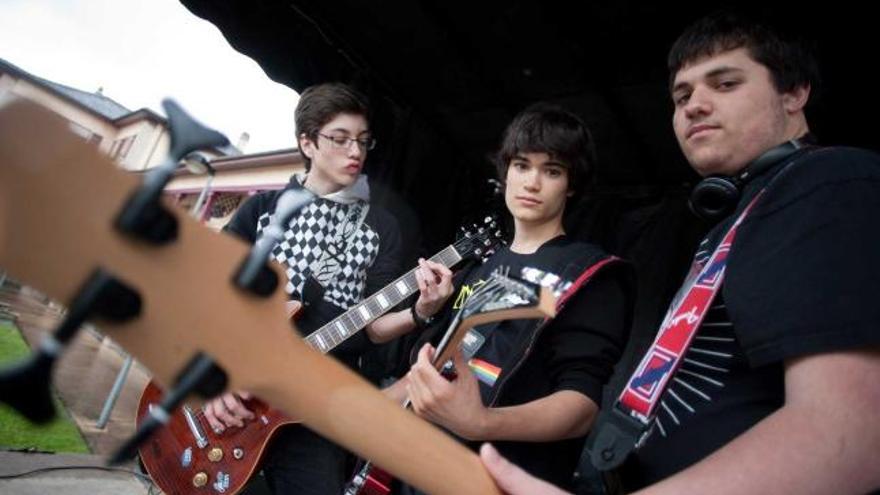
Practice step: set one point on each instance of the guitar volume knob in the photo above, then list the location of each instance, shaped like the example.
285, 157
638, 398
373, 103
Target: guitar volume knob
200, 479
215, 454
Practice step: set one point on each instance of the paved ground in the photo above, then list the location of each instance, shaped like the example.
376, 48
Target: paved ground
66, 481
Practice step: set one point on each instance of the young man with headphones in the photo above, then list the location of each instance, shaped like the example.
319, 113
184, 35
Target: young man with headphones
778, 390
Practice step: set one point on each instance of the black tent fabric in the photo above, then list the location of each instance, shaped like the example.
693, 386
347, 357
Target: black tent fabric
446, 77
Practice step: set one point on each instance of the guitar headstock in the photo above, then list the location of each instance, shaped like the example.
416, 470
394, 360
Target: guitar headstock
505, 297
60, 199
501, 297
479, 240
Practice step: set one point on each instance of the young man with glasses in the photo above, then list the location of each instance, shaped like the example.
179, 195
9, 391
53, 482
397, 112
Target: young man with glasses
337, 250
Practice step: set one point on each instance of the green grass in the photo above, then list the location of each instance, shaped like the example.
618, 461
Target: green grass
16, 432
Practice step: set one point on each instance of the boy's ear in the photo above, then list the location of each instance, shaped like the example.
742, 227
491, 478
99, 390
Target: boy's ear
795, 100
306, 146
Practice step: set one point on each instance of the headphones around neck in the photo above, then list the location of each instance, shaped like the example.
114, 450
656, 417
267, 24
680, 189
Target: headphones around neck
713, 198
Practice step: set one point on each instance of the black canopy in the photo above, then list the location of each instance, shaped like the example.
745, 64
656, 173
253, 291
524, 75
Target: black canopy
446, 77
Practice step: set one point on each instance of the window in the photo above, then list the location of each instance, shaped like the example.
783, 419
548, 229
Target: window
86, 134
121, 147
224, 204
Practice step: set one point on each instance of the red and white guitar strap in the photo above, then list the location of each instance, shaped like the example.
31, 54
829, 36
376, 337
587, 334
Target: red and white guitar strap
623, 427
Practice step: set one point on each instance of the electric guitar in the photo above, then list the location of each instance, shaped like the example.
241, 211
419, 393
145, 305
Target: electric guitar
179, 299
173, 455
500, 298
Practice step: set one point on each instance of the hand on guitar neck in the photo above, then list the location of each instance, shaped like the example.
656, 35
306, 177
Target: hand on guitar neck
435, 287
434, 281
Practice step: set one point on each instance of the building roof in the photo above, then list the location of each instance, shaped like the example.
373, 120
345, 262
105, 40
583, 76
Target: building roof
96, 102
99, 104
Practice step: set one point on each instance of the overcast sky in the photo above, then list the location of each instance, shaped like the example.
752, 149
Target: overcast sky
140, 51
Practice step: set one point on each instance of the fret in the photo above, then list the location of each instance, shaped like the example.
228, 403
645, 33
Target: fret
321, 343
402, 288
349, 322
451, 255
355, 318
345, 325
364, 311
387, 296
367, 310
382, 300
375, 308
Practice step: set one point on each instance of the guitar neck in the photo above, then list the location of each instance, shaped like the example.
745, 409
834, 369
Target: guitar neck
362, 314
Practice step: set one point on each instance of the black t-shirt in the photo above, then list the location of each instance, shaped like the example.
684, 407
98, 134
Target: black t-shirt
369, 257
576, 351
802, 278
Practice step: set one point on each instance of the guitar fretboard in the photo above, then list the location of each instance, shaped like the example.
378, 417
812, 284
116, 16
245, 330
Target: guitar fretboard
360, 315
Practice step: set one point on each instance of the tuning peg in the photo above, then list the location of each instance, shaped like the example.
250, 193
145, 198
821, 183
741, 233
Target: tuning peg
142, 216
201, 376
187, 134
253, 275
25, 386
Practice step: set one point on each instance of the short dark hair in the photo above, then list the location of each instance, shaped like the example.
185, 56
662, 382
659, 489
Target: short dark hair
548, 128
320, 104
790, 61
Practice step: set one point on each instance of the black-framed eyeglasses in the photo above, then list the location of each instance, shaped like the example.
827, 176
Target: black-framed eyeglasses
343, 142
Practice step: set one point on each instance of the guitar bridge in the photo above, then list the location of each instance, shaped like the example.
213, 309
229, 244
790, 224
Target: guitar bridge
195, 428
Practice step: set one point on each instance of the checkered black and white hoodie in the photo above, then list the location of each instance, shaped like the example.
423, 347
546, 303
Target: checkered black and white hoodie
324, 243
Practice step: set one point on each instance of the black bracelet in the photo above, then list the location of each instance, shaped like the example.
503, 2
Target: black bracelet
420, 322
